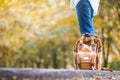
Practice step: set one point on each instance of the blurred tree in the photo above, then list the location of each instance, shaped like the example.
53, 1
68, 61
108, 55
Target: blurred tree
110, 26
41, 33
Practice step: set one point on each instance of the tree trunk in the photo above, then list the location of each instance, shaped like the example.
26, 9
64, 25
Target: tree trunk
104, 58
55, 65
64, 54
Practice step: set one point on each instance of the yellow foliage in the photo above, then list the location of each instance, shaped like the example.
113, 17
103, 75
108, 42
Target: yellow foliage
35, 30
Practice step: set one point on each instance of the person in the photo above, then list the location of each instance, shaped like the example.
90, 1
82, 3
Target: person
85, 10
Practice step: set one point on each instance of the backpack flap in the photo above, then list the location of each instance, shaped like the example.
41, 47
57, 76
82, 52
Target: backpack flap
87, 60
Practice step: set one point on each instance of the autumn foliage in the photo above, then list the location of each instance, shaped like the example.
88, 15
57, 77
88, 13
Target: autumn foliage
41, 33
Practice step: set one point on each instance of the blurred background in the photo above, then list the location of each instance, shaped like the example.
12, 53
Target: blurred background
41, 33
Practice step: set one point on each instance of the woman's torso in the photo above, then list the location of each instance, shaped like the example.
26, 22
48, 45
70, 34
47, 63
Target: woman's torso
94, 4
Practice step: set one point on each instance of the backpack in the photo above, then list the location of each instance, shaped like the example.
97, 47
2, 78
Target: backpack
88, 53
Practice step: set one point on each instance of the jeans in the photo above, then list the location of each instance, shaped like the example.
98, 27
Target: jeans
84, 13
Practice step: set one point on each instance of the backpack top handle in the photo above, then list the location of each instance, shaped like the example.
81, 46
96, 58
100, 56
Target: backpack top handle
89, 35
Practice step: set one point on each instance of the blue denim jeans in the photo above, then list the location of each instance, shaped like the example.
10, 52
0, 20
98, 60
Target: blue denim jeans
84, 13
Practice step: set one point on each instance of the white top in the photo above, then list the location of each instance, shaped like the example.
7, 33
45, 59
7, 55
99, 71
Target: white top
94, 4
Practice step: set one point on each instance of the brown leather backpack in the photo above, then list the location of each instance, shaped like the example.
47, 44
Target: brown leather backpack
88, 53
